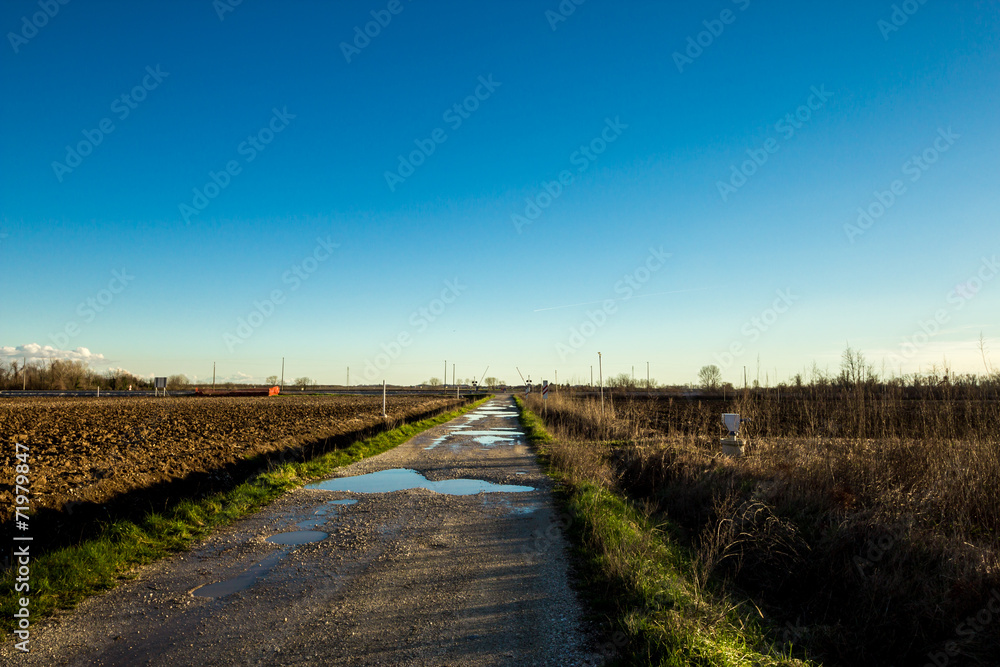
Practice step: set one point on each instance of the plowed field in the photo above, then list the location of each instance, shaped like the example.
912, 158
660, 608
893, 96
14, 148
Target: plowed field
92, 450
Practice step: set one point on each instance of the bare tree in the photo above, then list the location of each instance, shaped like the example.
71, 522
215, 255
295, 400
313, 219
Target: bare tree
303, 382
710, 377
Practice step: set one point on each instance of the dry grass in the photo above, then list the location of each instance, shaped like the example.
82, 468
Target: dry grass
865, 521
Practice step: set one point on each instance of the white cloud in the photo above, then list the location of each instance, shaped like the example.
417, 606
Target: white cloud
36, 352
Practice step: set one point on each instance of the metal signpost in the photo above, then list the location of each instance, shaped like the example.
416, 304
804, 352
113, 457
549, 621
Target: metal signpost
545, 397
158, 384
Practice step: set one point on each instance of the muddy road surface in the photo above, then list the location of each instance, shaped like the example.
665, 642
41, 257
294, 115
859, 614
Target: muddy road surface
444, 551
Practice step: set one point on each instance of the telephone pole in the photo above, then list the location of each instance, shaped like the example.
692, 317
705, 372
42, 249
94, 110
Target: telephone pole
600, 378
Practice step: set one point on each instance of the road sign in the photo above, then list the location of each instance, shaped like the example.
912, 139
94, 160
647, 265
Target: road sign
158, 384
545, 389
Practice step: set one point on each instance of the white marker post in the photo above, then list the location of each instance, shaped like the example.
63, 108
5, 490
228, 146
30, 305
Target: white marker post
545, 397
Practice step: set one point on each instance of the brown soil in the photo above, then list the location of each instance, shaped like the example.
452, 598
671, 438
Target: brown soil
88, 450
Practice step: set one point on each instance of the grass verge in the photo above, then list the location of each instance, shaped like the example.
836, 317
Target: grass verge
643, 582
62, 578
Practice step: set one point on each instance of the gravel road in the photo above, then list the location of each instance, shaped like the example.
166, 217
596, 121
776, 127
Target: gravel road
406, 577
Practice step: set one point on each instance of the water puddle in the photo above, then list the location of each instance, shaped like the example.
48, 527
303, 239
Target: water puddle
401, 479
345, 501
491, 440
243, 581
297, 537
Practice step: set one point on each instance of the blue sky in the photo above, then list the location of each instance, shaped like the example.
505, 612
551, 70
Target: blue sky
497, 165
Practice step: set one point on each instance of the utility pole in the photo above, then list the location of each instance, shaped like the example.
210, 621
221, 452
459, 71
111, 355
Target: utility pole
348, 376
24, 373
600, 377
592, 376
282, 374
445, 378
648, 388
213, 376
453, 380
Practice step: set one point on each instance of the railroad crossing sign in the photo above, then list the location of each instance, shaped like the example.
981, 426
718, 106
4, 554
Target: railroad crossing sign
545, 389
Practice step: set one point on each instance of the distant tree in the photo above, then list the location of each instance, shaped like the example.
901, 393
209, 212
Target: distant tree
710, 377
434, 382
303, 382
177, 381
272, 380
491, 382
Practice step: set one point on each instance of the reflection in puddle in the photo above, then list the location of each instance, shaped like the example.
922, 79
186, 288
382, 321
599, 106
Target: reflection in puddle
298, 537
490, 440
344, 501
243, 581
401, 479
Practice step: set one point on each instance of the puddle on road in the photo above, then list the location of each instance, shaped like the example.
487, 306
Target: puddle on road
297, 537
243, 581
345, 501
401, 479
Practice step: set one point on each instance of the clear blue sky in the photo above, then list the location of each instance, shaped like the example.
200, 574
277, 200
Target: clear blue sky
644, 125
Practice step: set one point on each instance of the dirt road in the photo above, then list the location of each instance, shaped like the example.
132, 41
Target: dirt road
410, 576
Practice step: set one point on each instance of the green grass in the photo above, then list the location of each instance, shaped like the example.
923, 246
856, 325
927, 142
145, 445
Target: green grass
62, 578
643, 583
